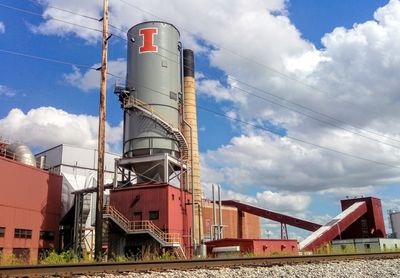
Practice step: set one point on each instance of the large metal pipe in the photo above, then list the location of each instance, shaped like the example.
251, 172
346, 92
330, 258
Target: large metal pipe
220, 232
214, 229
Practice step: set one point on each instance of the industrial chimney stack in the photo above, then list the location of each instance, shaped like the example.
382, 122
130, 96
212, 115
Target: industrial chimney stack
190, 133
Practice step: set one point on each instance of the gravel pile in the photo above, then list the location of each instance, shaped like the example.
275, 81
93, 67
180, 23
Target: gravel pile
370, 268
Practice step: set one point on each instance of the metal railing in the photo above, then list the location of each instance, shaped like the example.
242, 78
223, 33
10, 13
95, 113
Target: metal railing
131, 101
144, 225
6, 153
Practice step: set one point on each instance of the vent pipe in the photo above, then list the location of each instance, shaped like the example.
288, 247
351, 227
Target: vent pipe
220, 233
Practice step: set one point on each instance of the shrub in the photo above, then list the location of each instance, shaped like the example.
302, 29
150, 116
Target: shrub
62, 258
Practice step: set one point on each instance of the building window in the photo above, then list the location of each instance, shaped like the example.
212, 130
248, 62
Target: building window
173, 197
2, 231
46, 235
22, 233
154, 215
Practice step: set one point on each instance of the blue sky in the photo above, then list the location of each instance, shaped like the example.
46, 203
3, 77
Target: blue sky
335, 72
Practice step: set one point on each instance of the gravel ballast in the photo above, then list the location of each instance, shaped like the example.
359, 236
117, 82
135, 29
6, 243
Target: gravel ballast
370, 268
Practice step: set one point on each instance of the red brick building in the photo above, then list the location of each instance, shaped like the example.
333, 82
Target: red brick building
236, 224
30, 205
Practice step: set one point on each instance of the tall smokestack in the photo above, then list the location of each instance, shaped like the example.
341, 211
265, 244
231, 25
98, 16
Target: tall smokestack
190, 133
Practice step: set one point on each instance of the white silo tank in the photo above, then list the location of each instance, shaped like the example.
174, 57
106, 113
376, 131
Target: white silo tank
395, 223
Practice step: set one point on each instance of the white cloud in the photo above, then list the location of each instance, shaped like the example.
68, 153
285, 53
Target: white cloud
91, 79
272, 162
357, 65
58, 28
6, 91
47, 126
2, 28
284, 201
356, 73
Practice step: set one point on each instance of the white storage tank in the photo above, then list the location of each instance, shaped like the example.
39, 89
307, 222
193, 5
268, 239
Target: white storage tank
395, 223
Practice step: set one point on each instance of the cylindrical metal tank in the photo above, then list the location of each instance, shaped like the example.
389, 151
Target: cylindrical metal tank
395, 223
21, 153
153, 77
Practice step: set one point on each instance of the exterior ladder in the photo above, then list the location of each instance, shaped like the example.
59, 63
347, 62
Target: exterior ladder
146, 226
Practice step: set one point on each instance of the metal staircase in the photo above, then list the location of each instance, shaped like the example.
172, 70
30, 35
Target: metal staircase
128, 102
171, 240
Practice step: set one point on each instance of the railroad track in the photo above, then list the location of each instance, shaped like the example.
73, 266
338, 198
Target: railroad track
66, 270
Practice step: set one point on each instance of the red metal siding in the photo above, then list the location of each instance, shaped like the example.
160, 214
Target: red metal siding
142, 199
180, 214
275, 247
268, 214
260, 247
173, 205
375, 226
30, 199
337, 229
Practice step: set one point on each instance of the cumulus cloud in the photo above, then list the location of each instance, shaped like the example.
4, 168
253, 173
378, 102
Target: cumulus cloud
47, 126
90, 79
355, 73
284, 201
6, 91
2, 28
54, 27
273, 162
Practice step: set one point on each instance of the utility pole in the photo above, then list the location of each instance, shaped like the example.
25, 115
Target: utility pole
101, 139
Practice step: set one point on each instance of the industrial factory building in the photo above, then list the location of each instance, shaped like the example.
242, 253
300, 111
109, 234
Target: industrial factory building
78, 168
30, 206
152, 201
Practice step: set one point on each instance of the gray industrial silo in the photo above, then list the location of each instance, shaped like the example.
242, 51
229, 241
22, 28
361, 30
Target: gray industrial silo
154, 81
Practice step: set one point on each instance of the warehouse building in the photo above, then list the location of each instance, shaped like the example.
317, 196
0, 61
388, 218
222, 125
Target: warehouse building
30, 206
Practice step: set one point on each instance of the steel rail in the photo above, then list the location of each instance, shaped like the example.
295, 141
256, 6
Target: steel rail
114, 267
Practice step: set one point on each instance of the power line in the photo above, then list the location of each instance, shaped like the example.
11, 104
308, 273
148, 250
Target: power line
310, 109
245, 91
54, 61
74, 24
245, 57
287, 136
299, 140
227, 49
75, 13
209, 110
37, 3
314, 118
241, 89
61, 20
53, 18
